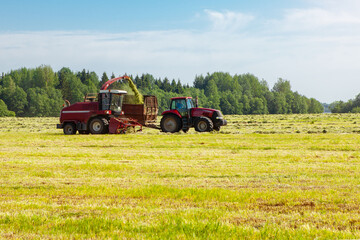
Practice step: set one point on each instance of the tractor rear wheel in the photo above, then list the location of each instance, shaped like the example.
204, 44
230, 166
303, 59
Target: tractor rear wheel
98, 125
203, 124
170, 123
69, 129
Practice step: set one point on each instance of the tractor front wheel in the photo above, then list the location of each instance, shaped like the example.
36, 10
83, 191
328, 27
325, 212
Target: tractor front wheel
69, 129
170, 123
98, 125
204, 124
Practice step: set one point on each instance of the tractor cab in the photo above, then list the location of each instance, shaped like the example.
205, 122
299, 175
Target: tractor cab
111, 99
183, 105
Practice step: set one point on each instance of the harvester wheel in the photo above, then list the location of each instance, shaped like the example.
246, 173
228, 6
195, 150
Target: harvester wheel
170, 123
106, 125
204, 124
97, 126
69, 129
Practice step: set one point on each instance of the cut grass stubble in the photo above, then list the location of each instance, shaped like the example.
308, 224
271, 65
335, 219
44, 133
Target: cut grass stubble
208, 186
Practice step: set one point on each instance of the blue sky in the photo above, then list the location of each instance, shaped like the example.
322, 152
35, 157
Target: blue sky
115, 16
313, 43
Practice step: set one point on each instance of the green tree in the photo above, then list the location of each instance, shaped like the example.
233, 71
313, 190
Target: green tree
211, 92
13, 96
282, 86
55, 101
93, 77
259, 106
44, 77
279, 105
73, 90
179, 87
173, 85
104, 79
4, 112
166, 86
199, 82
15, 100
315, 106
228, 103
246, 104
63, 74
38, 102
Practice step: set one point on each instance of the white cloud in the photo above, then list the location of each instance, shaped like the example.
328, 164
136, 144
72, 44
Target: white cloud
350, 6
326, 16
317, 18
228, 20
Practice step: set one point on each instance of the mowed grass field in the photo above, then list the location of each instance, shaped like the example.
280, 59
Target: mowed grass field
260, 177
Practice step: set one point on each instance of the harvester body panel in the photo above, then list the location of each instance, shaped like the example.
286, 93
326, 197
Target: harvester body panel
79, 112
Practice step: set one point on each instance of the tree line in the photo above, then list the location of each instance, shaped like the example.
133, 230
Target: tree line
238, 94
353, 106
41, 92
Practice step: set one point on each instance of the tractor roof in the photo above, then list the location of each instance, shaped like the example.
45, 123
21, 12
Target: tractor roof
114, 91
174, 98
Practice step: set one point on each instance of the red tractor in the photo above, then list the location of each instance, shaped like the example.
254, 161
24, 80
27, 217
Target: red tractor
98, 117
183, 114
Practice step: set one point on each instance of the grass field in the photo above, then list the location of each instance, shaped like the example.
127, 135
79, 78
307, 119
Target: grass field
261, 177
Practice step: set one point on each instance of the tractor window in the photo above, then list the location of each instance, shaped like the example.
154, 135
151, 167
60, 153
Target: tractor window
105, 101
173, 104
179, 104
190, 103
116, 103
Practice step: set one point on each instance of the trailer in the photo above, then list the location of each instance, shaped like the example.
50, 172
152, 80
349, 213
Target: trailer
145, 114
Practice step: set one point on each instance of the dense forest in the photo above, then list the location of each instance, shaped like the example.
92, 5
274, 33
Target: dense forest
41, 92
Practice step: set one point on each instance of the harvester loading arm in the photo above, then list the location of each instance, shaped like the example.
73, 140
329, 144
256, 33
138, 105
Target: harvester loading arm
111, 81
